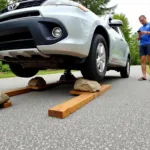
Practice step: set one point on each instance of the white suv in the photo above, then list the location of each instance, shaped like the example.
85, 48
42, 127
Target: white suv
61, 34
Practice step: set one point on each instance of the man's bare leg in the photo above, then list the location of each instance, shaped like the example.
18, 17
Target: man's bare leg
143, 66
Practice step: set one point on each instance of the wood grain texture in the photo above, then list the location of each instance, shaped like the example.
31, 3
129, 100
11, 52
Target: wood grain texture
6, 104
28, 89
58, 83
65, 109
18, 91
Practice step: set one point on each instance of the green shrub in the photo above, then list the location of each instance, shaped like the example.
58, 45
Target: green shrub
4, 68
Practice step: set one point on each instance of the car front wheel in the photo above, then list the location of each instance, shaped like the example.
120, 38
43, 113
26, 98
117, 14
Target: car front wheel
19, 71
95, 65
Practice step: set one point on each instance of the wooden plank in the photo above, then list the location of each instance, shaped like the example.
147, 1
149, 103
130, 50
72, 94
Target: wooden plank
49, 85
18, 91
37, 87
28, 89
44, 87
65, 109
31, 88
104, 89
6, 104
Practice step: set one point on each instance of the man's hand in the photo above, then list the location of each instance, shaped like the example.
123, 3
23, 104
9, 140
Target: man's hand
143, 32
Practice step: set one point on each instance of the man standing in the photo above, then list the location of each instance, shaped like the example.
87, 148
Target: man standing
144, 37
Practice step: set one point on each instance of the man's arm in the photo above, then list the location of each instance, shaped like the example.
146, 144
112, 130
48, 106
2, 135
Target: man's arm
138, 38
148, 32
139, 35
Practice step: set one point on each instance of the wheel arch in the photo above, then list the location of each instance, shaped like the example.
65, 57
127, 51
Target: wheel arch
129, 56
101, 30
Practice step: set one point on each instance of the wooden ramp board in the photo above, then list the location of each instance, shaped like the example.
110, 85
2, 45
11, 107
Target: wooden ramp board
28, 89
49, 85
65, 109
18, 91
6, 104
46, 86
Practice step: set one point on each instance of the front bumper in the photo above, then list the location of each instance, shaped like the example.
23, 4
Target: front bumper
28, 33
77, 29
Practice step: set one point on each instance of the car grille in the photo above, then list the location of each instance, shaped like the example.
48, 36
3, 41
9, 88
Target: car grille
22, 44
30, 4
16, 16
17, 40
25, 4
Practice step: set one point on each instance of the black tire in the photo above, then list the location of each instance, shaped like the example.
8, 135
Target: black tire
90, 68
19, 71
125, 71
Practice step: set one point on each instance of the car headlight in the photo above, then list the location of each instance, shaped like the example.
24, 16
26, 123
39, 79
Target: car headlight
57, 32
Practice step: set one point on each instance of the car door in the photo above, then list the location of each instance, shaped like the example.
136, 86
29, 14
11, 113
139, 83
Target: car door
116, 48
124, 47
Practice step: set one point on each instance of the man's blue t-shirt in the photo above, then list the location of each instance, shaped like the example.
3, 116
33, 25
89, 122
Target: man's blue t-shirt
145, 39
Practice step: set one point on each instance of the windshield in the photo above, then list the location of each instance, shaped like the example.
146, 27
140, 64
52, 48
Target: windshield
60, 2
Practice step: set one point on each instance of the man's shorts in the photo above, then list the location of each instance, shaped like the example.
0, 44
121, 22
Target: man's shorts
145, 50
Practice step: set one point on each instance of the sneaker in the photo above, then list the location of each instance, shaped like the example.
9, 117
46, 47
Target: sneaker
141, 79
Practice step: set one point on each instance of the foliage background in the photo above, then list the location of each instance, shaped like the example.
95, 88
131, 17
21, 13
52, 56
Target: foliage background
130, 37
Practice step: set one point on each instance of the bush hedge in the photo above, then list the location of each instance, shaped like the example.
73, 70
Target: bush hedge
4, 68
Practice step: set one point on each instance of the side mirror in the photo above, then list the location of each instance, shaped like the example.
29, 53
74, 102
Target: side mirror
115, 22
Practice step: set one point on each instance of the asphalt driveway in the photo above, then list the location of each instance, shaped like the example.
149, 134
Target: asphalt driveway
117, 120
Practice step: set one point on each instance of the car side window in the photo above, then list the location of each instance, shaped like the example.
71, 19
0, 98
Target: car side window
120, 32
116, 29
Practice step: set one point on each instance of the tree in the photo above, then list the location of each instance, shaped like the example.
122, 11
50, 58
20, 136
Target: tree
131, 38
97, 6
126, 29
134, 49
12, 1
3, 4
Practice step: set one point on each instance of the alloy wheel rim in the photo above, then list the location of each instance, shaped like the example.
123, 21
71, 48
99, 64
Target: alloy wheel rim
101, 57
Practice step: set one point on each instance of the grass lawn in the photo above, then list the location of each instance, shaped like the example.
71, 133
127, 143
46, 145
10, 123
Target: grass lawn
148, 70
42, 72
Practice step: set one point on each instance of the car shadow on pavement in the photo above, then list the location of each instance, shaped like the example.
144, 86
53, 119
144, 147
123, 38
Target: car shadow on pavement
111, 79
58, 94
